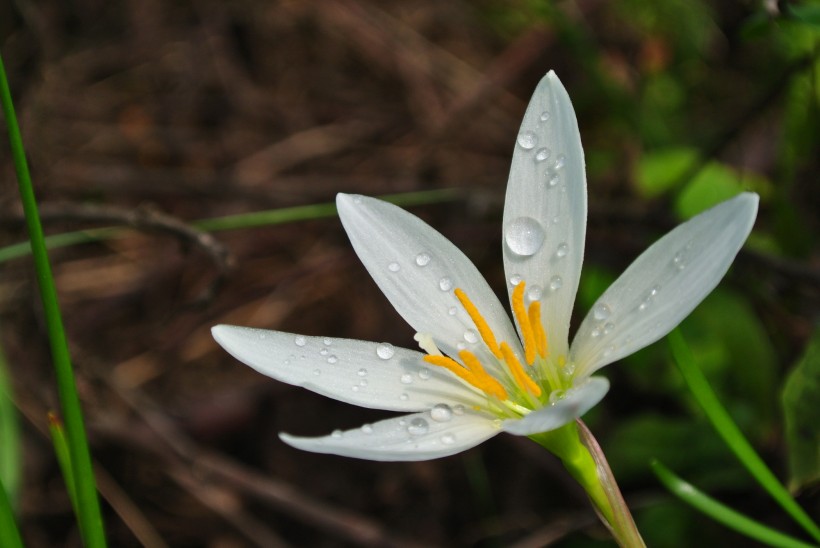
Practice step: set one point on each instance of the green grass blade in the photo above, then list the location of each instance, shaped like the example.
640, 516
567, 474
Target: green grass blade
10, 451
90, 518
722, 513
58, 439
731, 434
9, 534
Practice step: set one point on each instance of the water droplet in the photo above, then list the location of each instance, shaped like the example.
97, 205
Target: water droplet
332, 359
524, 236
542, 154
515, 279
556, 396
553, 179
643, 306
406, 378
336, 434
317, 372
527, 140
300, 340
560, 161
448, 439
404, 396
423, 259
363, 382
263, 336
418, 427
608, 327
323, 351
458, 409
355, 388
609, 350
452, 311
569, 369
362, 372
357, 199
445, 284
654, 290
601, 312
556, 220
679, 260
534, 293
595, 333
367, 429
470, 336
424, 374
393, 267
441, 412
385, 351
328, 341
556, 282
545, 116
562, 251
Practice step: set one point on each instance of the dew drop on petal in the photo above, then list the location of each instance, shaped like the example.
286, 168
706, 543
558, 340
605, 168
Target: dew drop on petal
404, 396
562, 251
363, 382
418, 427
452, 311
643, 306
367, 429
552, 179
300, 340
560, 161
470, 336
362, 372
527, 140
448, 438
324, 351
355, 388
406, 378
441, 412
556, 396
595, 333
524, 236
601, 312
556, 283
609, 350
336, 434
385, 351
394, 267
542, 154
424, 374
654, 290
679, 260
317, 372
263, 335
608, 327
534, 293
458, 409
545, 116
328, 341
332, 359
423, 259
515, 279
445, 284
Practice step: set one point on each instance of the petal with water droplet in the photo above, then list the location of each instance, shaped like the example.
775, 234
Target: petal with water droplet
384, 388
402, 439
561, 212
577, 401
654, 294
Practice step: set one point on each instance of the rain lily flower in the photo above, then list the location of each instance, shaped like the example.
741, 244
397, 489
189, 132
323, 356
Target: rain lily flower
481, 373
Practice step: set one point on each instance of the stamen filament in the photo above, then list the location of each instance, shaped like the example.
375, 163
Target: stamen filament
488, 383
480, 382
538, 328
480, 323
520, 312
521, 378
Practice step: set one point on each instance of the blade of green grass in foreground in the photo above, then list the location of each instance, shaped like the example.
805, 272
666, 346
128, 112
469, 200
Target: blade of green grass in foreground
722, 513
55, 428
9, 534
731, 434
234, 222
90, 518
10, 460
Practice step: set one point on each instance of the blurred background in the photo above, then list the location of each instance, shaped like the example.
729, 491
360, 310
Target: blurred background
150, 115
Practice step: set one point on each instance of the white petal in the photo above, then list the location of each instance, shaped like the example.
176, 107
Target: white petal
347, 370
663, 285
540, 208
417, 269
577, 401
408, 438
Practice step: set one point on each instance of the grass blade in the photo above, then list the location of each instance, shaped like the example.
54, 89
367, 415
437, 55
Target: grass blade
90, 517
722, 513
731, 434
10, 452
9, 534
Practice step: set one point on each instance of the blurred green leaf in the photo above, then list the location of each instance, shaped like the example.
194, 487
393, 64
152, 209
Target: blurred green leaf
801, 395
660, 171
713, 184
10, 452
808, 14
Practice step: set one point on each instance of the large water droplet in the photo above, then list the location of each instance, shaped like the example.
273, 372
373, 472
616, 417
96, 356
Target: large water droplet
300, 340
385, 351
445, 284
423, 259
545, 116
562, 251
418, 427
534, 293
524, 236
448, 438
527, 140
542, 154
515, 279
394, 267
441, 412
406, 378
556, 283
601, 312
470, 336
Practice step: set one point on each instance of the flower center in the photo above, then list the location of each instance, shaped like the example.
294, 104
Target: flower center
522, 380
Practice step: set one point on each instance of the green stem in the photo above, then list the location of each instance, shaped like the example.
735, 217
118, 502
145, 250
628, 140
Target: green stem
9, 534
90, 517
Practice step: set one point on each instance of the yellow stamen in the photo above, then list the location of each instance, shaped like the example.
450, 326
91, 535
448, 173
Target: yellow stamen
521, 378
485, 381
520, 312
538, 328
468, 375
480, 323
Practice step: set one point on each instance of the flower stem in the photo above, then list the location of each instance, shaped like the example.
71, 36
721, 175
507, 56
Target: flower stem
583, 458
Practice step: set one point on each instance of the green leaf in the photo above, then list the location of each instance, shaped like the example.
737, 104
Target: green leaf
713, 184
659, 172
801, 395
9, 534
10, 452
808, 14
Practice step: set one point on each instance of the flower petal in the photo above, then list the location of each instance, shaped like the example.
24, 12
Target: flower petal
545, 212
347, 370
663, 285
417, 269
408, 438
578, 400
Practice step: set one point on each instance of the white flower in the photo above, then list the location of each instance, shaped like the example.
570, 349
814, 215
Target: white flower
479, 375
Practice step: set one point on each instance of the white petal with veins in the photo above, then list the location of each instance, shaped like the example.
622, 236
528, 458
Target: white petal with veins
408, 438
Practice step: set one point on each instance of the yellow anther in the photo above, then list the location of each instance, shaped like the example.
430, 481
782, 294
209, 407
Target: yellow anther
520, 312
538, 328
480, 323
521, 378
468, 375
484, 380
